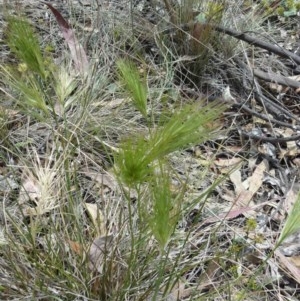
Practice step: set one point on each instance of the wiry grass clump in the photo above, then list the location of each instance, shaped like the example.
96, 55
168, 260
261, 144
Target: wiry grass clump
30, 77
93, 207
52, 246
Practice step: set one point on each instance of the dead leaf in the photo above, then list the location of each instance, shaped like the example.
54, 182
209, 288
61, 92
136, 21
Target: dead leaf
268, 149
236, 179
257, 177
104, 179
207, 279
77, 52
180, 291
288, 265
292, 149
30, 190
295, 260
97, 218
290, 200
285, 83
232, 214
254, 183
76, 247
227, 162
296, 162
114, 103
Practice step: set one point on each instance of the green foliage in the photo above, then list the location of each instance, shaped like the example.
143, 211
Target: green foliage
38, 84
133, 161
253, 284
251, 225
200, 40
31, 80
284, 8
24, 44
134, 84
31, 90
166, 208
233, 271
139, 161
187, 126
4, 130
292, 224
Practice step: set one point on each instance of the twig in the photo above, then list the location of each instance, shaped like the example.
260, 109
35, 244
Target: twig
256, 42
273, 107
275, 78
244, 37
270, 105
271, 139
264, 117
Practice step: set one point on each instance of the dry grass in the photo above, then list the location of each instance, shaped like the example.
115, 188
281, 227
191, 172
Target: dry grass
105, 195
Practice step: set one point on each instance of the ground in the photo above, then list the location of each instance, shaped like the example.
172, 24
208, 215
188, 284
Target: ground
213, 217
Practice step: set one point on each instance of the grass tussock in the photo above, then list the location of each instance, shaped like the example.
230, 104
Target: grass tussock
96, 194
